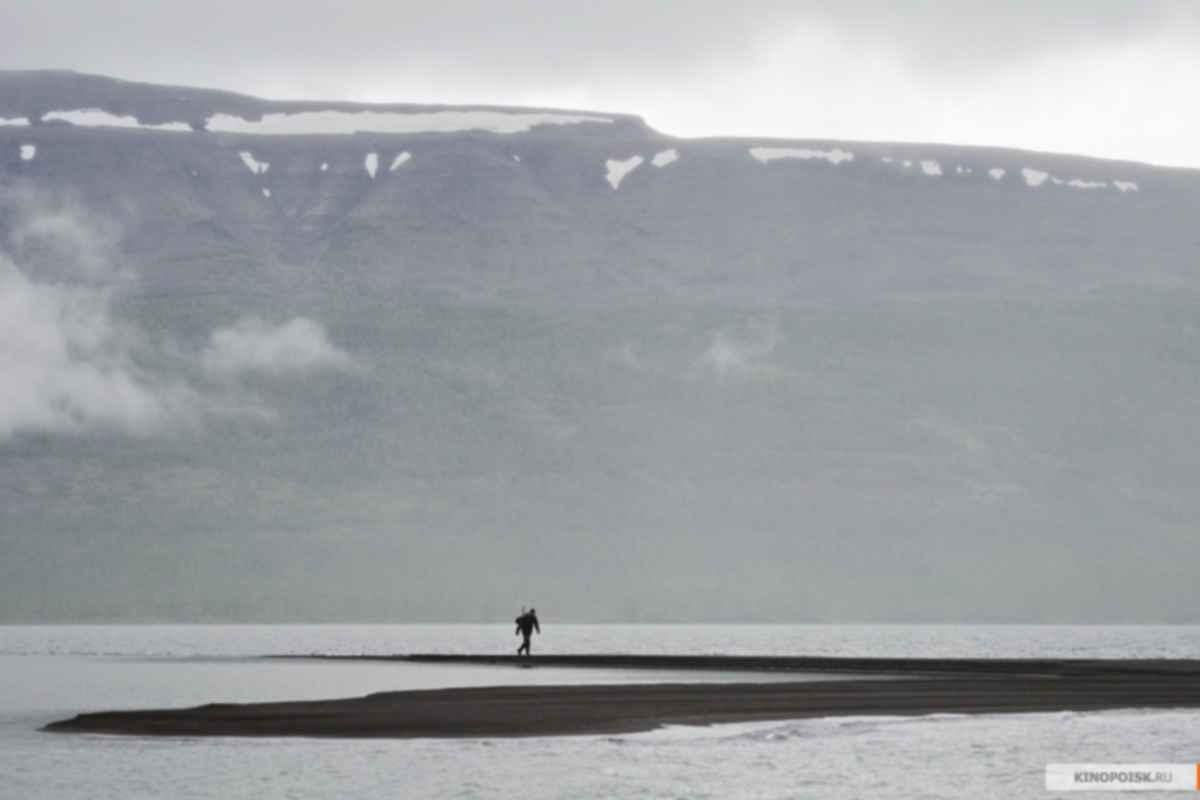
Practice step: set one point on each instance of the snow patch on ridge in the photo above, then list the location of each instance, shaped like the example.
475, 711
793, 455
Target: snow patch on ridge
347, 122
254, 165
1034, 177
335, 122
324, 166
14, 122
665, 157
266, 192
769, 154
399, 161
371, 164
617, 170
28, 151
96, 118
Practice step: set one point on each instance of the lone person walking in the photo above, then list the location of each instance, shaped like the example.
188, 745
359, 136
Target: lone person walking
527, 623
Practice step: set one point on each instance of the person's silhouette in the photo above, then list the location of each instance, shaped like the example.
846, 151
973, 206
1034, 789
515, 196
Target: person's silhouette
527, 623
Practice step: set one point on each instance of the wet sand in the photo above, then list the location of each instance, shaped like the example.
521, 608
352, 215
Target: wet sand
879, 687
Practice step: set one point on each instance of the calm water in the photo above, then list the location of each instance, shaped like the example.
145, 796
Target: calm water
51, 672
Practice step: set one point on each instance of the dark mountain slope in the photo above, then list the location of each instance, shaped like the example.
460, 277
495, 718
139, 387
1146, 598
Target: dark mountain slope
464, 214
817, 388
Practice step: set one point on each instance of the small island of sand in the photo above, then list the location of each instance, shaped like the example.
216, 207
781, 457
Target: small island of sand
858, 686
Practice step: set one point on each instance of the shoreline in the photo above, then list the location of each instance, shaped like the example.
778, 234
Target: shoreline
930, 686
978, 667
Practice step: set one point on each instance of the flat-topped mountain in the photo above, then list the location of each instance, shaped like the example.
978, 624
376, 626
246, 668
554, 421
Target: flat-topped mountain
326, 361
215, 189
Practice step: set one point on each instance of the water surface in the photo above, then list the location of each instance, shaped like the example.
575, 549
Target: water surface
56, 671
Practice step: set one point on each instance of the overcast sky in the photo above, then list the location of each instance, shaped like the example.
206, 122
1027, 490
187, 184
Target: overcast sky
1099, 77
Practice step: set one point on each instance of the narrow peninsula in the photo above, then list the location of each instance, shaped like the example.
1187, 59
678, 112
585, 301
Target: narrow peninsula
864, 687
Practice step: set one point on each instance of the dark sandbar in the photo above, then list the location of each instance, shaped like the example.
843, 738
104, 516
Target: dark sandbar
930, 686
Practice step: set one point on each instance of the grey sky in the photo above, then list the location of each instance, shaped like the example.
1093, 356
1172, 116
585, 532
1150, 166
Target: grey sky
1098, 77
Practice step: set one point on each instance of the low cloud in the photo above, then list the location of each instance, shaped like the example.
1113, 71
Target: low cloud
628, 356
253, 345
70, 365
67, 366
742, 353
58, 236
961, 436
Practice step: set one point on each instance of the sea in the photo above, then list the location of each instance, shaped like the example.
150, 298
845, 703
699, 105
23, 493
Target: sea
53, 672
